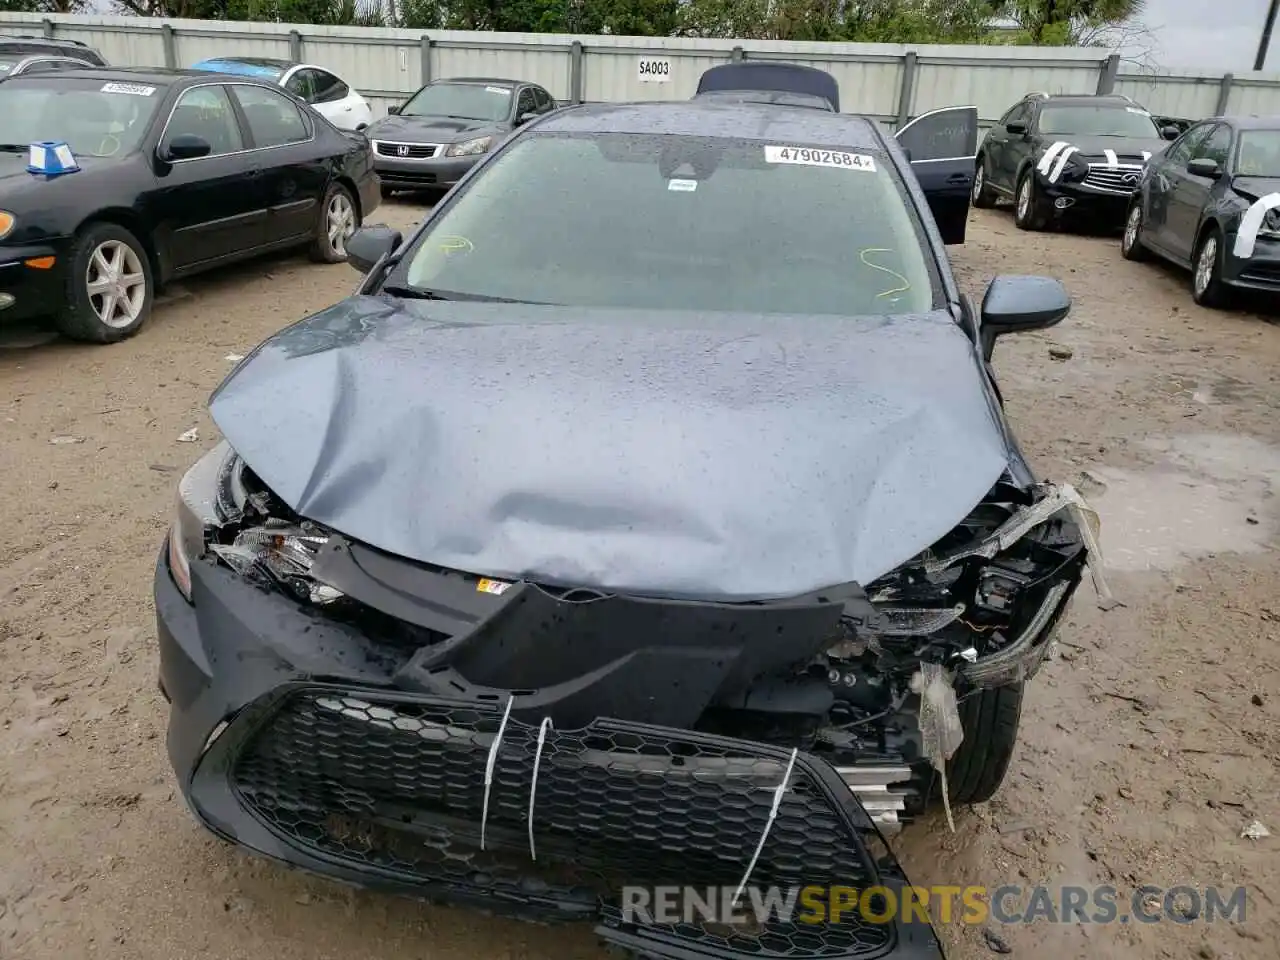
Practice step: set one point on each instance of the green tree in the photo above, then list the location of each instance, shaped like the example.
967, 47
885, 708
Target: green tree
1069, 22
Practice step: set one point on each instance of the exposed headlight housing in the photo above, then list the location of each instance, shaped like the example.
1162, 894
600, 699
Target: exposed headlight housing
1271, 224
7, 222
468, 148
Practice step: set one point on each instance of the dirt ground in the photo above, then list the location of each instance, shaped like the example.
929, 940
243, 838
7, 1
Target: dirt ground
1147, 746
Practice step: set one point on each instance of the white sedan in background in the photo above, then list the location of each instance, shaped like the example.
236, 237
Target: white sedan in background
327, 93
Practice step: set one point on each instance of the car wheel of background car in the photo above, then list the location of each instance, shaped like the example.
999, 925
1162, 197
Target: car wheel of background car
983, 198
1027, 212
976, 770
1207, 287
1131, 243
338, 221
109, 285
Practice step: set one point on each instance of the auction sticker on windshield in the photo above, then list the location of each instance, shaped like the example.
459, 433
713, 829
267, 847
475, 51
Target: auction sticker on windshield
136, 89
809, 157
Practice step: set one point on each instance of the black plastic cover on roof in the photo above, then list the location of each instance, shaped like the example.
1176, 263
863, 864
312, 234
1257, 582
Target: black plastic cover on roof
769, 75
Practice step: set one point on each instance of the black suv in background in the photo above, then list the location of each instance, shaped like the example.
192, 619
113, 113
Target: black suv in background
19, 55
1067, 154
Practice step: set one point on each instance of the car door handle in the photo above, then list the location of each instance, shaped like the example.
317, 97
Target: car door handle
959, 178
254, 171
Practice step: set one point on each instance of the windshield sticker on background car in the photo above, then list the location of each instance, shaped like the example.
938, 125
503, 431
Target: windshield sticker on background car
485, 585
498, 89
808, 157
682, 186
452, 245
135, 89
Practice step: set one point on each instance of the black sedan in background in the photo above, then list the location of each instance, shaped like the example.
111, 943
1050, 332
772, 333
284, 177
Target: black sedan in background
1066, 156
1211, 202
447, 126
178, 171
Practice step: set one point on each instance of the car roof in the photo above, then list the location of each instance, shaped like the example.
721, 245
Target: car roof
510, 83
1083, 99
254, 61
715, 117
7, 41
159, 76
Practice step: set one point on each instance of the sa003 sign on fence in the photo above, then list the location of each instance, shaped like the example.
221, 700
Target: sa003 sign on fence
654, 70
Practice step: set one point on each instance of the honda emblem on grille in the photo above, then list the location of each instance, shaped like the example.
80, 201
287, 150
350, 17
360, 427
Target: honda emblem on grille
402, 150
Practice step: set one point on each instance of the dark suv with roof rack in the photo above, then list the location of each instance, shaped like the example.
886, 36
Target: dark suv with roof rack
1067, 154
21, 55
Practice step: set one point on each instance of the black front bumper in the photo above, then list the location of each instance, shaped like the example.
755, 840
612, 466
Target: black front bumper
27, 291
288, 738
1067, 200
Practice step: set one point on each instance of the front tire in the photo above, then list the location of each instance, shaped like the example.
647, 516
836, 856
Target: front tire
1131, 245
983, 198
1207, 288
109, 286
1028, 210
975, 771
339, 219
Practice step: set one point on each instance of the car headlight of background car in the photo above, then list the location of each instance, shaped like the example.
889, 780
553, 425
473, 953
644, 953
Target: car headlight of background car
468, 148
7, 223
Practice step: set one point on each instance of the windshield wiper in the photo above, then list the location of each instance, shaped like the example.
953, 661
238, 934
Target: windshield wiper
422, 293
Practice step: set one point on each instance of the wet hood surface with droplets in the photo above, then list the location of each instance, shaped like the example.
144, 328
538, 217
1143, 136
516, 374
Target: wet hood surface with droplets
708, 456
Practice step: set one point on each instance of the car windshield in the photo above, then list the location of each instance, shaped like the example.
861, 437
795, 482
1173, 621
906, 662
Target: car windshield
95, 118
1096, 121
462, 101
671, 222
1259, 153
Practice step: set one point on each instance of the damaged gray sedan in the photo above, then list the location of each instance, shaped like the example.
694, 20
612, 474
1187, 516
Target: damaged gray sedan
648, 516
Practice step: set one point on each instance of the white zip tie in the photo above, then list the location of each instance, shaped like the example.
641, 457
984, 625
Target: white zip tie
488, 768
773, 815
533, 787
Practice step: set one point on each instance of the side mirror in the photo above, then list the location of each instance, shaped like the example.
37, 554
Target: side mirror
370, 244
1204, 167
392, 111
1014, 304
525, 117
186, 146
1017, 129
1170, 132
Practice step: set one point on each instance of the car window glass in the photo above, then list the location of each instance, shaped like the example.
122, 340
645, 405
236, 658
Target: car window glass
273, 119
1259, 153
543, 100
328, 87
1112, 120
206, 112
526, 102
1215, 147
460, 101
1180, 150
681, 223
1019, 114
94, 118
302, 84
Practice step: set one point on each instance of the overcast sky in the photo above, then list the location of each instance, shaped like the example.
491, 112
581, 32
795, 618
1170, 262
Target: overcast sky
1221, 35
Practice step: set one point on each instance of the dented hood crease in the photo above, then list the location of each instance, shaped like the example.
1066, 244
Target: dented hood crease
683, 455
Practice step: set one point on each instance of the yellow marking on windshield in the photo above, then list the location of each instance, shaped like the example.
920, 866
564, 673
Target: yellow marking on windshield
906, 284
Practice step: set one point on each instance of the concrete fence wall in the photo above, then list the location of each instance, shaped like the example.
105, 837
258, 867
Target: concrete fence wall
891, 82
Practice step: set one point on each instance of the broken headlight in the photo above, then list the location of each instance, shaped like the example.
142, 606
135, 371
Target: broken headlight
283, 552
195, 512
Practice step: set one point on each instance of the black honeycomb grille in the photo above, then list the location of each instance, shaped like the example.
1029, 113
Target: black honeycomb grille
398, 788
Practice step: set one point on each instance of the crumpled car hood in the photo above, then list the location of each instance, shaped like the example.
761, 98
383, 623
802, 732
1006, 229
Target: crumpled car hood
718, 457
